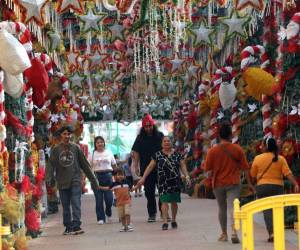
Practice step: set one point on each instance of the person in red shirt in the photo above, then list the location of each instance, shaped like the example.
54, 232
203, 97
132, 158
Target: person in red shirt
225, 162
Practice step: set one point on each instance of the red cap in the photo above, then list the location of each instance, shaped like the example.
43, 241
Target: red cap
147, 120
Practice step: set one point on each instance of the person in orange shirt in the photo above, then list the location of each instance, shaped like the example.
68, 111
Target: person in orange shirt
123, 201
269, 169
225, 162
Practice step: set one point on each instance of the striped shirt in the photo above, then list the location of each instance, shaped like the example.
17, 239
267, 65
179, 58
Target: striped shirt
121, 190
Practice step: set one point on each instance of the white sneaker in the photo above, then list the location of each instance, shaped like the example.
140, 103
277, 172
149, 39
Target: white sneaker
109, 220
100, 222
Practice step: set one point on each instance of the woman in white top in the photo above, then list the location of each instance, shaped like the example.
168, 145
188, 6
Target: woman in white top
103, 164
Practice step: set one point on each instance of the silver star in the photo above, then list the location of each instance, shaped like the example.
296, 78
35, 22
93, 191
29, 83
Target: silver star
76, 80
116, 31
176, 63
96, 59
70, 4
33, 9
72, 58
235, 24
202, 34
91, 20
193, 71
107, 74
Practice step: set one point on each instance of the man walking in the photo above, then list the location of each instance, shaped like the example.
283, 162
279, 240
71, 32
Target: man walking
65, 165
147, 143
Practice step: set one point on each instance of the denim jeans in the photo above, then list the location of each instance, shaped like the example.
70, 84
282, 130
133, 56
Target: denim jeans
71, 197
101, 196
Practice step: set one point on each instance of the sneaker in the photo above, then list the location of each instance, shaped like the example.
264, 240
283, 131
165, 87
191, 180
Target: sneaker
67, 231
140, 194
77, 230
109, 220
129, 229
100, 222
123, 229
151, 219
135, 195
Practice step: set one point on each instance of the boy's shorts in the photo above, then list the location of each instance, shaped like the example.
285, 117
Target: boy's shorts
123, 210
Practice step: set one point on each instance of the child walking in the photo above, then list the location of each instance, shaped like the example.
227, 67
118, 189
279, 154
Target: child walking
123, 201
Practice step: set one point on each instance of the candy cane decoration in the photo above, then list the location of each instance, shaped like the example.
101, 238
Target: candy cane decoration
247, 58
2, 115
21, 31
213, 133
46, 60
29, 108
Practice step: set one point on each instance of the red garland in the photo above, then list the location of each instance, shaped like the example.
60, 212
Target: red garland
26, 185
40, 175
32, 220
16, 124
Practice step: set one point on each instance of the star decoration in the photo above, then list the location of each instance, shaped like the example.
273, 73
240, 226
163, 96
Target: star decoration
117, 32
176, 63
202, 35
72, 59
241, 4
91, 20
180, 26
33, 10
107, 74
235, 25
76, 80
64, 5
193, 71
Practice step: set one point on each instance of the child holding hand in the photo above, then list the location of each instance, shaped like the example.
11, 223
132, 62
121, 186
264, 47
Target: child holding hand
123, 201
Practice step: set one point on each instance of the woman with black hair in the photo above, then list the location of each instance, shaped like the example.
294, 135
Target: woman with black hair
103, 163
269, 169
147, 143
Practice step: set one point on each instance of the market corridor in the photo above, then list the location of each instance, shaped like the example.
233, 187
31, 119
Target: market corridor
198, 229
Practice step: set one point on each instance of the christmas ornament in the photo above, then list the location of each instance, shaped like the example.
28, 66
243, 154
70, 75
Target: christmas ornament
33, 10
64, 5
76, 80
256, 4
91, 20
203, 35
235, 25
117, 32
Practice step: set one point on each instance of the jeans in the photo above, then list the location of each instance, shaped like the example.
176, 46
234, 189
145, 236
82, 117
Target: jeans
225, 197
101, 196
71, 197
266, 190
149, 187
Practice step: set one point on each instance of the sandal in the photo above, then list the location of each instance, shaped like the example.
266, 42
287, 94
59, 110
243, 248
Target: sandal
235, 239
165, 226
174, 224
271, 238
223, 237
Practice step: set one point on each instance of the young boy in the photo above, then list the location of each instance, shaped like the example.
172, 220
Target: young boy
123, 201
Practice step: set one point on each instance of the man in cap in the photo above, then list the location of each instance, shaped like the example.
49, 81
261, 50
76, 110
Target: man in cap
65, 165
147, 143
